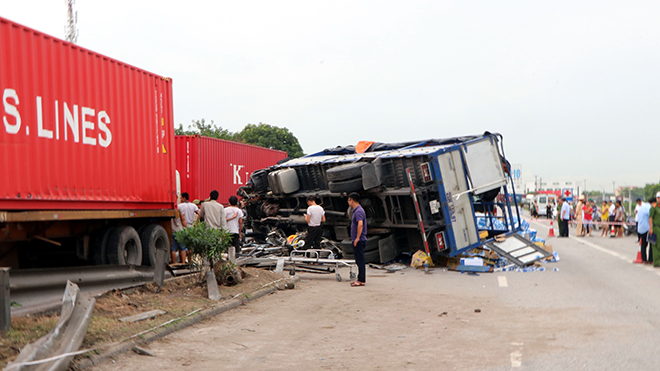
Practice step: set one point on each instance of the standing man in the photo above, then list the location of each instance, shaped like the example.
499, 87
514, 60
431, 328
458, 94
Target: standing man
565, 217
314, 217
214, 215
234, 223
610, 218
178, 224
643, 228
358, 237
637, 207
654, 228
188, 209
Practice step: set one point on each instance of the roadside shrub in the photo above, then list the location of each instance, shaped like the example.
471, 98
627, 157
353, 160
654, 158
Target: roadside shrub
204, 242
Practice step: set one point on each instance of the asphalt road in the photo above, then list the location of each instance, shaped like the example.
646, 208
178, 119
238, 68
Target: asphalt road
595, 312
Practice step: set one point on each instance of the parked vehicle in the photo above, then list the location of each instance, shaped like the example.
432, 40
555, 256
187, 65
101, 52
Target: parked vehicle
206, 164
87, 149
459, 184
547, 204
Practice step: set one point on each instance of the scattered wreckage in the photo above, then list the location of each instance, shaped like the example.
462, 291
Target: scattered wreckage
445, 197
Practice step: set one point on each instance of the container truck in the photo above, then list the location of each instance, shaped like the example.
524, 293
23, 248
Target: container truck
444, 196
87, 154
207, 164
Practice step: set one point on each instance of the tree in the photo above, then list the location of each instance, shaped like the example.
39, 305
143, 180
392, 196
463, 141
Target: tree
272, 137
650, 190
200, 127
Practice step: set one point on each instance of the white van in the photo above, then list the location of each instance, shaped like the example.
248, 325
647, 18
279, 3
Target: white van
542, 202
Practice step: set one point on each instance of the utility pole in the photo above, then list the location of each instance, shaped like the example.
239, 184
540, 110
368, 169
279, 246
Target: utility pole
70, 30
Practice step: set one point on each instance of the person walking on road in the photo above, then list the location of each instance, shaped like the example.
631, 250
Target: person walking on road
643, 229
565, 216
314, 217
604, 217
654, 228
359, 237
558, 216
234, 222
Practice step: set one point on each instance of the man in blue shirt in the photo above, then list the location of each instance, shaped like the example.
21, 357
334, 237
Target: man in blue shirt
358, 237
643, 230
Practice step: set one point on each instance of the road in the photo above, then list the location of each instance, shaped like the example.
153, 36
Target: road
596, 312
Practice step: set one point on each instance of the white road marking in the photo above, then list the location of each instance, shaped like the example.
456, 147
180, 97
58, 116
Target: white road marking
600, 248
502, 281
516, 355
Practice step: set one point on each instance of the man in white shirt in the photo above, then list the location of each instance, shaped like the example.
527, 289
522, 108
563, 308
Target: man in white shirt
234, 225
637, 207
188, 209
314, 217
565, 217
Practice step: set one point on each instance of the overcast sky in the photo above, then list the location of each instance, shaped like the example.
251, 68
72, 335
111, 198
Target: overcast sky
574, 86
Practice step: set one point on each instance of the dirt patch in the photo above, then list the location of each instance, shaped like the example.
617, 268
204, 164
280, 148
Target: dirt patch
178, 298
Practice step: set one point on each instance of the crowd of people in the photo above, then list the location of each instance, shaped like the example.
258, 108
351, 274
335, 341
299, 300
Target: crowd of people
214, 214
612, 217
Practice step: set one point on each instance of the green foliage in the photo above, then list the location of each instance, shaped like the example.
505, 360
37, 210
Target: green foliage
272, 137
650, 190
262, 135
200, 127
204, 241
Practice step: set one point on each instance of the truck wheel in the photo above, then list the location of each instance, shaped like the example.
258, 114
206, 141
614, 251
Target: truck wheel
124, 247
346, 185
345, 172
100, 246
153, 237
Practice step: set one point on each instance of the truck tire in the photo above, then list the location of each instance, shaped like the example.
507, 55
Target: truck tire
345, 172
153, 237
99, 247
124, 247
346, 185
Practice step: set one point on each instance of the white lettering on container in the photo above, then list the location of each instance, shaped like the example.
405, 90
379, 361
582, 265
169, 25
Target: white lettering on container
72, 121
87, 125
11, 110
41, 132
237, 175
104, 121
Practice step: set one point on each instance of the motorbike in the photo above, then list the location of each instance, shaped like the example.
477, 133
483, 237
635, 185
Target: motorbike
630, 226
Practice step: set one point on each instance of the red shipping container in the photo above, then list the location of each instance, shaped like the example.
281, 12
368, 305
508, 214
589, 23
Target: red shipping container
205, 164
80, 130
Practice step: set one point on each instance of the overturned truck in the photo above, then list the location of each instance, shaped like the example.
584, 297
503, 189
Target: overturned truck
444, 196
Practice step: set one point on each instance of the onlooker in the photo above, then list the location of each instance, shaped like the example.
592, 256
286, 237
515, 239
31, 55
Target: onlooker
588, 211
178, 224
234, 223
610, 218
578, 217
642, 216
199, 205
654, 228
604, 217
639, 204
314, 217
565, 217
359, 237
534, 210
213, 214
558, 216
619, 216
188, 209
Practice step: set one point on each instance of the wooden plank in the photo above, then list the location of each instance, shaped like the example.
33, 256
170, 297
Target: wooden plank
143, 316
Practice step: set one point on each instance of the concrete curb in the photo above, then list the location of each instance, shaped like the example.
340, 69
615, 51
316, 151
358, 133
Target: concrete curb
187, 322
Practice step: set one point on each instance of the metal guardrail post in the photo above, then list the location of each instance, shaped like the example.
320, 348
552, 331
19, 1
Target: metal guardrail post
159, 269
5, 301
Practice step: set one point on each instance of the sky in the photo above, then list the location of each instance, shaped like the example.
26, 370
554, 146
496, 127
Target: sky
573, 86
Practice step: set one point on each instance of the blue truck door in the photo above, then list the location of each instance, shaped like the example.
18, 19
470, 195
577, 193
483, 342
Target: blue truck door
459, 211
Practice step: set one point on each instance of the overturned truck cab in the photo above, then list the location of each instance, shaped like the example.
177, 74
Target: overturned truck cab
434, 195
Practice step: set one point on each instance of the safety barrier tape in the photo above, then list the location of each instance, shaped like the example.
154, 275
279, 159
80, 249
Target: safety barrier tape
585, 222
